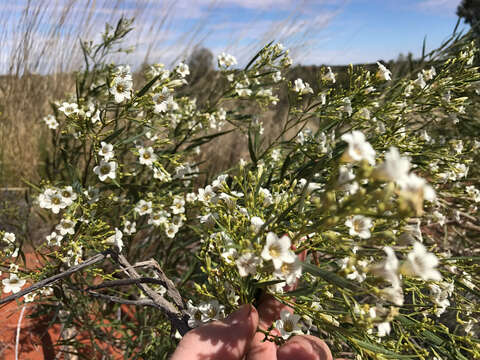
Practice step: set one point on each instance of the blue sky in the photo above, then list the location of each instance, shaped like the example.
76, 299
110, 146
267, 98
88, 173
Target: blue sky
316, 31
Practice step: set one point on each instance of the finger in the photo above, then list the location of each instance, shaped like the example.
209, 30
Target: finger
228, 339
304, 347
269, 310
261, 350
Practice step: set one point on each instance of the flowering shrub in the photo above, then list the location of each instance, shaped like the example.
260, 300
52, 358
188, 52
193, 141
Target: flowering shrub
361, 212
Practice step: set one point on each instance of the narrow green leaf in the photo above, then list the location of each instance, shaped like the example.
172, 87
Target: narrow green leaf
330, 277
147, 86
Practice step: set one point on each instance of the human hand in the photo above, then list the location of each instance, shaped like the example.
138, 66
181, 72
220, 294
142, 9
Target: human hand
235, 338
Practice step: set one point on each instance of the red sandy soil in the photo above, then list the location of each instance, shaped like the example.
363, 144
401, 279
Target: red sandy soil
37, 337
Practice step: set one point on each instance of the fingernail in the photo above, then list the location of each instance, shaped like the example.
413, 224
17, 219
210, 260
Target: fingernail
240, 315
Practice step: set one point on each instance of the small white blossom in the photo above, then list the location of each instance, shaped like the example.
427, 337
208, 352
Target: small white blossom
54, 239
130, 227
394, 167
146, 156
106, 151
247, 264
121, 89
278, 250
421, 263
288, 324
383, 73
51, 122
69, 108
68, 195
302, 88
105, 170
65, 227
358, 148
182, 70
13, 284
116, 239
226, 60
359, 226
329, 75
211, 310
289, 272
143, 207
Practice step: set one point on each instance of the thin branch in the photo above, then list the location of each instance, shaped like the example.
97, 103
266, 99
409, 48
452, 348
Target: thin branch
179, 320
52, 279
171, 288
119, 300
123, 282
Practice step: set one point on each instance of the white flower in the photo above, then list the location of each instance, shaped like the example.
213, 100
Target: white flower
439, 217
420, 82
69, 108
211, 310
206, 195
171, 230
289, 272
147, 156
164, 101
178, 205
121, 89
473, 193
195, 316
394, 167
143, 207
256, 223
158, 218
329, 76
288, 324
116, 240
416, 189
267, 196
130, 227
242, 88
247, 264
228, 254
277, 76
54, 238
421, 263
182, 70
68, 195
302, 88
429, 74
13, 284
190, 197
52, 199
51, 122
226, 60
358, 149
106, 151
278, 250
105, 170
359, 226
388, 268
440, 294
347, 106
383, 73
65, 227
383, 329
9, 238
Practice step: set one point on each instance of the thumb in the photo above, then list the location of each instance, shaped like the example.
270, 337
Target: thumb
228, 339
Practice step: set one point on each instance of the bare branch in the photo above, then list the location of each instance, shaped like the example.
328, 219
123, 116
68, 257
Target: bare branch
179, 320
123, 282
53, 279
